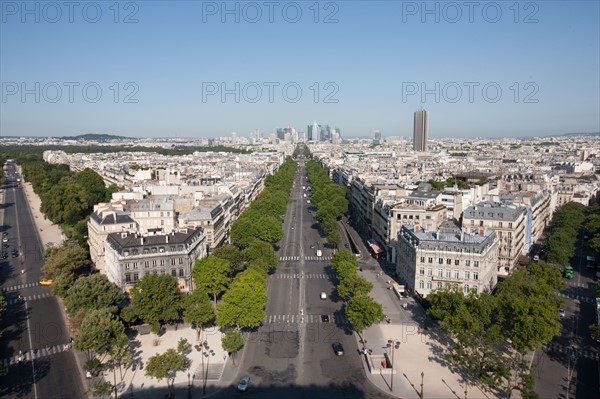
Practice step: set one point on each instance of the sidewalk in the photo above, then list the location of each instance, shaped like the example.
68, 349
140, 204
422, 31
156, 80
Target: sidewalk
208, 365
419, 351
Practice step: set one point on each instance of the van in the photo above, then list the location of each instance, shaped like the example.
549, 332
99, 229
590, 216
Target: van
319, 253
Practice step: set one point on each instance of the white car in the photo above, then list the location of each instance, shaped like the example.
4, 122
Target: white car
244, 382
4, 239
323, 295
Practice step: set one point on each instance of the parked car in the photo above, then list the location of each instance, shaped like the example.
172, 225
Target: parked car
45, 281
244, 382
323, 295
561, 312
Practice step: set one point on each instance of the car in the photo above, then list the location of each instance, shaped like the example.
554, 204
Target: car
323, 295
536, 258
15, 254
4, 234
5, 245
45, 281
338, 349
244, 382
561, 312
5, 239
325, 318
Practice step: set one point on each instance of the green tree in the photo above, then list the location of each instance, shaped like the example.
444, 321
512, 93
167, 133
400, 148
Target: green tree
244, 302
261, 251
93, 292
353, 285
128, 315
98, 330
232, 341
334, 238
93, 184
230, 253
110, 190
64, 259
165, 365
213, 275
344, 269
156, 298
61, 284
198, 310
120, 353
362, 312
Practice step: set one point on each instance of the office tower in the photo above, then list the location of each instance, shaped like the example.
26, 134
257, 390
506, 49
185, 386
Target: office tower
309, 132
420, 130
376, 137
280, 133
316, 131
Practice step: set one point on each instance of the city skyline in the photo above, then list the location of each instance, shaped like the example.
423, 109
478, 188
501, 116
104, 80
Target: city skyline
529, 71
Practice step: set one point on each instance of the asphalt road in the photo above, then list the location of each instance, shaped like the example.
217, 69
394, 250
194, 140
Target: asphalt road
291, 355
33, 318
569, 366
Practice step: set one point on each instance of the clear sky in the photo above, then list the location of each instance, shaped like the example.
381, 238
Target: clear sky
175, 68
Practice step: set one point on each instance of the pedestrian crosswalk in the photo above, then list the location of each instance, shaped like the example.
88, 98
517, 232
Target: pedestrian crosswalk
580, 298
303, 258
327, 276
20, 287
36, 354
21, 299
572, 283
307, 318
578, 352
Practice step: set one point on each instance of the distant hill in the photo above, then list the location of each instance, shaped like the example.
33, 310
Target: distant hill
97, 137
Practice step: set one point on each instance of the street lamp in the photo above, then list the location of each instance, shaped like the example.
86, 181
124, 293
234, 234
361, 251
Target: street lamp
422, 375
393, 345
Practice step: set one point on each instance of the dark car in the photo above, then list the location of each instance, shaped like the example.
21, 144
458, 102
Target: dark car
338, 348
325, 318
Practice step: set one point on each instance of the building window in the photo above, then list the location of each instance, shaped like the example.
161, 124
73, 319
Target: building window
146, 250
126, 266
172, 261
467, 263
456, 262
430, 272
180, 272
430, 260
153, 263
146, 264
421, 284
162, 262
421, 271
441, 261
448, 261
440, 285
475, 289
466, 289
510, 225
467, 275
181, 261
472, 223
475, 276
174, 272
422, 259
440, 273
135, 265
456, 274
172, 249
429, 285
153, 250
509, 234
476, 263
500, 225
448, 273
128, 277
136, 277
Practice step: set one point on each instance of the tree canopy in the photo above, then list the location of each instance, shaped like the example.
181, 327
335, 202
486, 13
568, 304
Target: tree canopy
156, 298
93, 292
213, 275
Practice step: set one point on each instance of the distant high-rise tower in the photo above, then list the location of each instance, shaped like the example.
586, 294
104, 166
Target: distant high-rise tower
309, 132
420, 130
316, 131
376, 137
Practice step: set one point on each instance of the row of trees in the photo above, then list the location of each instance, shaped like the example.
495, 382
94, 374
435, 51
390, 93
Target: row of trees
67, 197
492, 333
330, 200
592, 225
559, 245
362, 311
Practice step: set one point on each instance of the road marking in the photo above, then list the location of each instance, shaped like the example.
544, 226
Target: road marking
16, 301
578, 351
20, 286
310, 318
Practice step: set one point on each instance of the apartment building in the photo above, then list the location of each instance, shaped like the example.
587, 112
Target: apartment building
105, 219
508, 221
130, 256
156, 213
210, 216
432, 260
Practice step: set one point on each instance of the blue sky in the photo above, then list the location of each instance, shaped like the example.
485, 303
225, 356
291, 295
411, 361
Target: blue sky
533, 69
